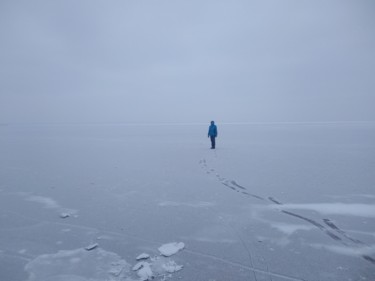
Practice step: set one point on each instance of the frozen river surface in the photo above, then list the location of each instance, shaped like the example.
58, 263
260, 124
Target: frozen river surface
272, 202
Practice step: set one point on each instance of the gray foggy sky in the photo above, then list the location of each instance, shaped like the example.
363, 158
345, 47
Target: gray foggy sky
187, 61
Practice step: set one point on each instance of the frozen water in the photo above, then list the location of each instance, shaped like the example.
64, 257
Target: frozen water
272, 202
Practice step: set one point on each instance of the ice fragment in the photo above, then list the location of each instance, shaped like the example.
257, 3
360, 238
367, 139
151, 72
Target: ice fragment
143, 256
64, 215
145, 272
170, 249
92, 246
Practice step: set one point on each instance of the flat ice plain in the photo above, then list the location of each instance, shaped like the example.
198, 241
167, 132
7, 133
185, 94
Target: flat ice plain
272, 202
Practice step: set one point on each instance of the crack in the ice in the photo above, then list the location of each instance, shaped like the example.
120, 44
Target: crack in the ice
250, 268
232, 184
318, 225
342, 232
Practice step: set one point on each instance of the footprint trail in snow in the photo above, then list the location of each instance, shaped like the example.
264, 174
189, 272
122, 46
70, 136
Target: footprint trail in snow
339, 235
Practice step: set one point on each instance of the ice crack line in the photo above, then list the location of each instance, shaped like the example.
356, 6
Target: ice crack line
233, 185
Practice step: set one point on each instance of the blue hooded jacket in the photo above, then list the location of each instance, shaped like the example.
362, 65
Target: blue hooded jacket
212, 130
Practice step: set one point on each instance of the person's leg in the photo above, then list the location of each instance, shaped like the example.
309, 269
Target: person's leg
213, 142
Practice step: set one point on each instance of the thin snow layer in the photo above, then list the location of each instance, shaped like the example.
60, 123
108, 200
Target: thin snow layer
359, 210
290, 229
201, 204
354, 252
78, 265
48, 203
170, 249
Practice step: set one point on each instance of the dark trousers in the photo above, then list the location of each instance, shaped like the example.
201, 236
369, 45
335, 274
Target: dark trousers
212, 142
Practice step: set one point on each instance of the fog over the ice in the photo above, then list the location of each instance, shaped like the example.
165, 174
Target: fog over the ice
187, 61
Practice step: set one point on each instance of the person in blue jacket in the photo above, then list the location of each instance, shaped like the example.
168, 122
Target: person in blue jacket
212, 133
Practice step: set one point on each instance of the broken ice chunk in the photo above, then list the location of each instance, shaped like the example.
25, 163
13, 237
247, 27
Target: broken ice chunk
117, 268
170, 249
144, 271
143, 256
138, 266
64, 215
171, 267
92, 246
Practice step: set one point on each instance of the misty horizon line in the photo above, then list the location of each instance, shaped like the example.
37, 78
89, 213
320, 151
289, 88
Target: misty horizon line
190, 123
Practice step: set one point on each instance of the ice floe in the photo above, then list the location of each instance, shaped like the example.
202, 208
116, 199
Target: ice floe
170, 249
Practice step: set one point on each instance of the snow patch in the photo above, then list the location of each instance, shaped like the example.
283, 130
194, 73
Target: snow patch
202, 204
359, 210
48, 203
348, 251
289, 229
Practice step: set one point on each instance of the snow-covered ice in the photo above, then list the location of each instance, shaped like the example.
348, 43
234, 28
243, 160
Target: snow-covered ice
272, 202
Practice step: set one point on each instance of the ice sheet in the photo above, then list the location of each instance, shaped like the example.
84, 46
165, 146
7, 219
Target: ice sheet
272, 202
